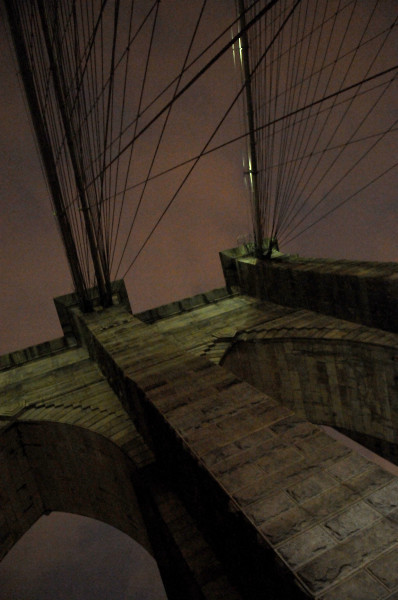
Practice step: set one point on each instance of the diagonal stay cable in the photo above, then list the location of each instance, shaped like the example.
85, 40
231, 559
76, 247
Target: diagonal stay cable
197, 76
303, 134
108, 125
345, 174
198, 21
113, 233
143, 85
187, 67
270, 45
332, 210
338, 146
197, 58
191, 82
336, 127
238, 138
92, 48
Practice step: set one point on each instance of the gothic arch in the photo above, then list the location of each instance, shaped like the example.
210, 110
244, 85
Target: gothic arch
345, 384
48, 467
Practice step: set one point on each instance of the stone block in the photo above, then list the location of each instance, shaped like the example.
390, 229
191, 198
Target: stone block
357, 517
385, 568
304, 547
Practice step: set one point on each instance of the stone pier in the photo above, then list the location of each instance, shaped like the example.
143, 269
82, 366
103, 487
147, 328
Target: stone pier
214, 405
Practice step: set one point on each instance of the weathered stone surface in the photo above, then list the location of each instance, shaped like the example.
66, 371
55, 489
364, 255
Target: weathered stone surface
359, 587
49, 466
346, 384
60, 467
312, 486
364, 292
348, 467
337, 563
325, 369
302, 548
351, 521
386, 499
290, 511
288, 486
386, 569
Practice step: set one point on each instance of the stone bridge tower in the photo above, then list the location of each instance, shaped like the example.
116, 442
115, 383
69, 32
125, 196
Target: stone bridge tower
194, 428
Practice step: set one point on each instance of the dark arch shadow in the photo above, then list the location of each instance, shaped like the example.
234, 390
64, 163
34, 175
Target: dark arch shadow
48, 467
352, 387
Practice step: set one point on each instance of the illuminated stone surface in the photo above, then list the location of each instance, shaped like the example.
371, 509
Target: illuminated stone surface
291, 512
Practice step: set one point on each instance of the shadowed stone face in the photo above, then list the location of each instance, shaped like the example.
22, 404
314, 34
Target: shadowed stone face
11, 406
52, 466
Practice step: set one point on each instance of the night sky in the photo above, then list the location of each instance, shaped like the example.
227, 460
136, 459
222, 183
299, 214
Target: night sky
66, 557
180, 260
182, 257
210, 215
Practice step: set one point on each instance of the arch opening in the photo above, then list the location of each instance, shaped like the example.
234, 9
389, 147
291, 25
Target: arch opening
68, 557
349, 386
46, 467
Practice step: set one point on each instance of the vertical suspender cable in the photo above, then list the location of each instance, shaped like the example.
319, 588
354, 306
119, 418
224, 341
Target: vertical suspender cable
103, 284
252, 157
47, 155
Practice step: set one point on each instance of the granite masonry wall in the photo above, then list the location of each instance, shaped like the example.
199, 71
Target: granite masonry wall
363, 292
347, 384
66, 443
275, 503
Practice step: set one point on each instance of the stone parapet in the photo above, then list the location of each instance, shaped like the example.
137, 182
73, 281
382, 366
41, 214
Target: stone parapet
363, 292
20, 357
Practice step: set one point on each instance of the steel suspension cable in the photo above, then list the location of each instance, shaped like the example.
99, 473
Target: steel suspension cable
148, 237
198, 21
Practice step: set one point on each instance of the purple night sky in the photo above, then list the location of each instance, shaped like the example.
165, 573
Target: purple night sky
181, 259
